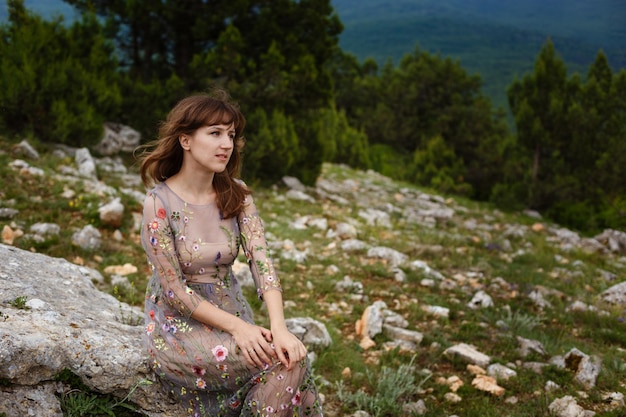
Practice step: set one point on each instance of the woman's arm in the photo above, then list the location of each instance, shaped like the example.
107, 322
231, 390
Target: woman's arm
254, 341
289, 348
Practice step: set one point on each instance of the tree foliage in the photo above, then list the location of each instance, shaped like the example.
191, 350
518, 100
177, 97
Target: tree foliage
57, 83
427, 98
425, 120
574, 130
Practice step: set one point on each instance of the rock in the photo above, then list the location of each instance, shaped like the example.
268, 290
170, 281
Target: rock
398, 333
468, 354
87, 238
77, 328
452, 397
587, 367
480, 300
343, 231
616, 294
312, 332
392, 256
85, 163
437, 311
347, 285
416, 408
242, 272
117, 138
614, 399
293, 183
123, 270
568, 407
26, 150
614, 240
352, 245
112, 213
9, 234
371, 322
39, 401
375, 217
501, 372
427, 270
488, 384
299, 195
527, 346
8, 213
45, 229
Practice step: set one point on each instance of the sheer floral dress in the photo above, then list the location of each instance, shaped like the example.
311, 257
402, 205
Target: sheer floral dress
191, 250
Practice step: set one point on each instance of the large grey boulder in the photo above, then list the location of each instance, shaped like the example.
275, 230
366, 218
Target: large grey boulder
62, 321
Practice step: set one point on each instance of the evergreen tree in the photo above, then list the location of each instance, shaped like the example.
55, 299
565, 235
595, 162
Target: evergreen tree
58, 83
539, 103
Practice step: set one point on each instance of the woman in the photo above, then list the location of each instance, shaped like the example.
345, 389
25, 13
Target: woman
200, 333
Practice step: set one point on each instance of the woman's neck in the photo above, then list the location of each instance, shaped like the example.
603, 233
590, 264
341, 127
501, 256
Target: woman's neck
194, 188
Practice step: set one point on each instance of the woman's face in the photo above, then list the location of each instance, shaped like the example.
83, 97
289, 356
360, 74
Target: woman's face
210, 147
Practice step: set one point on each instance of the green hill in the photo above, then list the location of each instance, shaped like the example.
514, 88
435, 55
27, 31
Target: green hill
498, 40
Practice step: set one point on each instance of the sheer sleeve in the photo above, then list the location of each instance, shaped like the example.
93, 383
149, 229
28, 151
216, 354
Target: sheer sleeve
157, 238
256, 249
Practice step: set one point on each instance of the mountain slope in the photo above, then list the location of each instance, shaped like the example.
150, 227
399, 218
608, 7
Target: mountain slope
498, 40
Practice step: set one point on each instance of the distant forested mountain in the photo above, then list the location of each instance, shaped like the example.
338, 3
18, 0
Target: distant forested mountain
499, 39
45, 8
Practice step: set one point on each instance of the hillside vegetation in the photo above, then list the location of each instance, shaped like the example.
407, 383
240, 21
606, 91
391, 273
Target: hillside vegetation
496, 39
434, 260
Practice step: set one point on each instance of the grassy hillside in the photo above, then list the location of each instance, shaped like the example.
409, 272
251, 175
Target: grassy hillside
544, 286
498, 40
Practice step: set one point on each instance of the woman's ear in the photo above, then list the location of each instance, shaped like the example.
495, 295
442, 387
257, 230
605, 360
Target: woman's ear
184, 142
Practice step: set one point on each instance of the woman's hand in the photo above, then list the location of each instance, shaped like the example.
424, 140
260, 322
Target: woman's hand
289, 349
254, 342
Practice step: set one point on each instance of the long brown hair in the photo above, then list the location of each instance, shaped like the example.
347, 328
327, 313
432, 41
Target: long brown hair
166, 155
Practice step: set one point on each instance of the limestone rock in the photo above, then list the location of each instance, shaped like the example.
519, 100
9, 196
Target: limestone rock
468, 354
118, 138
74, 327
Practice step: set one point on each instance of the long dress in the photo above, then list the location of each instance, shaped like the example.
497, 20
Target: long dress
190, 250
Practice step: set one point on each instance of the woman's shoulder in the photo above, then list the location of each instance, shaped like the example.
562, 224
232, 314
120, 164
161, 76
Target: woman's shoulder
159, 191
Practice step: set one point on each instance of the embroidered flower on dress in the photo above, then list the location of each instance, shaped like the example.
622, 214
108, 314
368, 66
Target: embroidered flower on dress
182, 238
220, 352
175, 215
189, 291
150, 328
201, 271
297, 399
186, 219
195, 247
269, 409
153, 241
201, 383
280, 377
161, 213
153, 226
289, 390
198, 370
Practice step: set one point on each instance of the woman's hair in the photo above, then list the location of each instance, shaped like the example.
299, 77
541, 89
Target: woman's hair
166, 155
